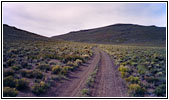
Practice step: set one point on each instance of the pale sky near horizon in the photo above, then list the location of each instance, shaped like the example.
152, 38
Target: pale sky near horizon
51, 19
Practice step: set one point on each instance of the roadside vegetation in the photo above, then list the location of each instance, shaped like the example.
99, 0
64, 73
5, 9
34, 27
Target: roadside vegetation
142, 68
35, 65
86, 91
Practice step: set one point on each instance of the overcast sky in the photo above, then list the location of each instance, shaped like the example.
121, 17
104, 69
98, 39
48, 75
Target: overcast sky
50, 19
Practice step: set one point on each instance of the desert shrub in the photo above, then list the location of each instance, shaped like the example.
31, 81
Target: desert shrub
124, 74
38, 74
39, 88
141, 69
44, 67
132, 79
16, 67
9, 81
27, 73
85, 92
90, 81
160, 90
151, 79
124, 71
8, 72
52, 56
70, 66
56, 69
58, 77
9, 92
65, 70
15, 51
70, 63
123, 68
24, 64
75, 63
23, 73
154, 71
159, 74
29, 67
78, 62
86, 56
22, 84
71, 58
136, 90
10, 62
133, 63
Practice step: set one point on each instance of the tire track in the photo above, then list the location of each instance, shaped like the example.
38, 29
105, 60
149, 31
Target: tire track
76, 82
108, 82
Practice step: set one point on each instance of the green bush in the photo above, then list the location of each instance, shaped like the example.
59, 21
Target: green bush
9, 92
136, 90
71, 67
9, 81
56, 69
27, 73
86, 56
85, 92
8, 72
141, 69
72, 58
78, 61
70, 63
65, 70
90, 82
160, 90
22, 84
16, 68
124, 71
38, 74
39, 88
58, 77
10, 62
132, 79
123, 68
44, 67
151, 79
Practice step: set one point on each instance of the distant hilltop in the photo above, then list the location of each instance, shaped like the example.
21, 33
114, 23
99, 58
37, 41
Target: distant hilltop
130, 34
12, 33
119, 34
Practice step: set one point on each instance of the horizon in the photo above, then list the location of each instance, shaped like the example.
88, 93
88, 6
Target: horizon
80, 16
78, 30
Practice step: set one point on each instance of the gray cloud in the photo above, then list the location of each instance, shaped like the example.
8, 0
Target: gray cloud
50, 19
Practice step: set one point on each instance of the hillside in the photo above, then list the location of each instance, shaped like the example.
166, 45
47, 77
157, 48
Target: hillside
119, 34
13, 33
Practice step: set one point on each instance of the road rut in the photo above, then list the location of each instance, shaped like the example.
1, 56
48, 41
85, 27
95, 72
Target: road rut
108, 82
77, 80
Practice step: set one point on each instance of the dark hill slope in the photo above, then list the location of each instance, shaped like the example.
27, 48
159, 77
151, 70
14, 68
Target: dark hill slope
12, 33
119, 34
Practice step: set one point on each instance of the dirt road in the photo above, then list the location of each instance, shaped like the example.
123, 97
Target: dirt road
108, 83
77, 80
